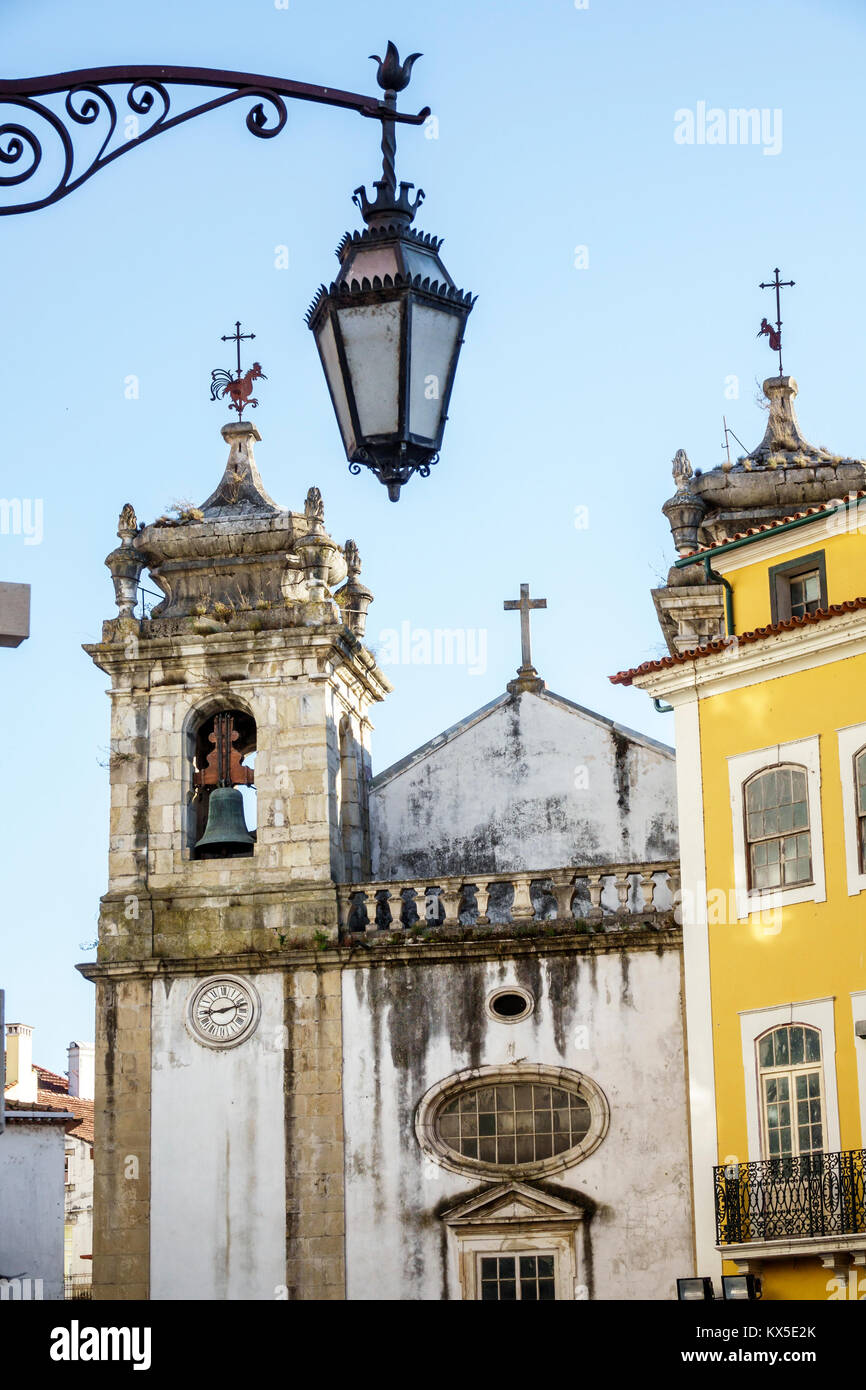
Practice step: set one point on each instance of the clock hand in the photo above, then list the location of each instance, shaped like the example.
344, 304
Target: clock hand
225, 1009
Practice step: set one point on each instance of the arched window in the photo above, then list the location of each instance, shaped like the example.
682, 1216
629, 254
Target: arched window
860, 785
778, 838
223, 749
792, 1091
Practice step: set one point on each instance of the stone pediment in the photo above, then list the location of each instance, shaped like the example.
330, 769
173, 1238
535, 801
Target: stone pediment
512, 1202
504, 706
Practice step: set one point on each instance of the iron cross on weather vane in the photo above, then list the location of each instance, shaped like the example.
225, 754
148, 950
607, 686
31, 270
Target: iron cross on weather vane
240, 386
774, 334
524, 606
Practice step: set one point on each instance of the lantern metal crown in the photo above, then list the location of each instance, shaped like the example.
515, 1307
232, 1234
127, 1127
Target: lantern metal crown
390, 327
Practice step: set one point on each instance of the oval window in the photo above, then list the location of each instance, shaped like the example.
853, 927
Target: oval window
529, 1120
510, 1005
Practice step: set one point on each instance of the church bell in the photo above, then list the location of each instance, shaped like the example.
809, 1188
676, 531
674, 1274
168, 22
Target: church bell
226, 832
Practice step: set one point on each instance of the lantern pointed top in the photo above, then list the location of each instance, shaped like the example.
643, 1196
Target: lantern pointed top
392, 75
391, 406
390, 206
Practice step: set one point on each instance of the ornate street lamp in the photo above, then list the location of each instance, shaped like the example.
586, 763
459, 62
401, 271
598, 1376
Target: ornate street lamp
388, 330
390, 327
119, 108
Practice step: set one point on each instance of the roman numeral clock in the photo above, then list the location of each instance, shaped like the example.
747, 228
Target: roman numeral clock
223, 1011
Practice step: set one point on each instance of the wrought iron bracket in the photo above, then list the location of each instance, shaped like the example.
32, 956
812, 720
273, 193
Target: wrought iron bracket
86, 100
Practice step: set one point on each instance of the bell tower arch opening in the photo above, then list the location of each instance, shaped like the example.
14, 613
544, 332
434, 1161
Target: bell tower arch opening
222, 809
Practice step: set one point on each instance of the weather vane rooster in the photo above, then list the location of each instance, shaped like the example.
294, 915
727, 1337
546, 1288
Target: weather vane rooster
766, 330
238, 387
772, 333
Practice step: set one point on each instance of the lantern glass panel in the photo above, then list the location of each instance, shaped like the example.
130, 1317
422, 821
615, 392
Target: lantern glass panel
435, 334
424, 263
370, 261
331, 363
371, 341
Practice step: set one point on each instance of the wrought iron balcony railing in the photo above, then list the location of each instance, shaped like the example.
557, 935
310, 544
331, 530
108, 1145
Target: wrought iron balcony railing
790, 1198
77, 1286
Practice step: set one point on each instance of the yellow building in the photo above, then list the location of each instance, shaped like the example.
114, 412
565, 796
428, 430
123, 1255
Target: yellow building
766, 626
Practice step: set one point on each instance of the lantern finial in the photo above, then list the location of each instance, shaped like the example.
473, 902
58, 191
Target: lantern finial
389, 328
388, 206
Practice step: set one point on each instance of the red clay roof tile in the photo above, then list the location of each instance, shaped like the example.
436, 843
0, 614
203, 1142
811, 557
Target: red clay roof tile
53, 1088
818, 510
720, 644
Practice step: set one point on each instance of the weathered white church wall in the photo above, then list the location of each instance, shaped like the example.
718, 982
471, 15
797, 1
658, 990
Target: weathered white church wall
79, 1207
218, 1153
31, 1208
611, 1014
531, 782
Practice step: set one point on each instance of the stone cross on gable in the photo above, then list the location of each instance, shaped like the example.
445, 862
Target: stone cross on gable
527, 676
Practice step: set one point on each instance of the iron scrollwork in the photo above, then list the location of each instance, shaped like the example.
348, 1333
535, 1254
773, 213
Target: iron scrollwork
87, 100
821, 1194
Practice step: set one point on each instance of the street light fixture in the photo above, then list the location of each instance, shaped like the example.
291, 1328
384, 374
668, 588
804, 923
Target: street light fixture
120, 108
741, 1286
390, 327
694, 1290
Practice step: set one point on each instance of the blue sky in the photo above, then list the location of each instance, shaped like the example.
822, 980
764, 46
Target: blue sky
576, 385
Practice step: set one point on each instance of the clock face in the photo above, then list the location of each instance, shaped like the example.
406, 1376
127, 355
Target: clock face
224, 1011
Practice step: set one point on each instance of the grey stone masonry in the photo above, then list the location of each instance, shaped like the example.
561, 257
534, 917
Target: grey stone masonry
249, 622
783, 475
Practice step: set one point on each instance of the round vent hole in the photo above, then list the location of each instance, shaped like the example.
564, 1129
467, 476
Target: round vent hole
510, 1005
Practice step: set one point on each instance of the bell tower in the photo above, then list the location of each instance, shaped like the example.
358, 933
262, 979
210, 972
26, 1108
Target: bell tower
240, 738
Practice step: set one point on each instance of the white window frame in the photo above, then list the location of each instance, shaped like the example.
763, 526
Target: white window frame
514, 1218
816, 1013
806, 753
790, 1073
559, 1245
851, 740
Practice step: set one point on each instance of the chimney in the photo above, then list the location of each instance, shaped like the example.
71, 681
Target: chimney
81, 1070
21, 1079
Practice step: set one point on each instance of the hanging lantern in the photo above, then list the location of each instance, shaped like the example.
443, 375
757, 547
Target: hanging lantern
390, 327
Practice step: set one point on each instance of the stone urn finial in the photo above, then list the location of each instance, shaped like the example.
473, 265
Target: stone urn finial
316, 548
685, 509
353, 558
127, 523
682, 470
314, 509
125, 563
354, 598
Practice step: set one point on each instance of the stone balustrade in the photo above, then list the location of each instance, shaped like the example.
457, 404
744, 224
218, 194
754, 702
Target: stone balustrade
603, 896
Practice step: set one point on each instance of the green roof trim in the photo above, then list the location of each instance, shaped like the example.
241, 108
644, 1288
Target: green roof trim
700, 555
